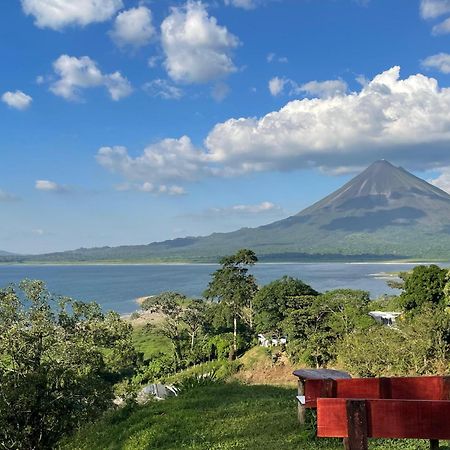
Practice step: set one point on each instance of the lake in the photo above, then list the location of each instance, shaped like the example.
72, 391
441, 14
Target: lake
117, 286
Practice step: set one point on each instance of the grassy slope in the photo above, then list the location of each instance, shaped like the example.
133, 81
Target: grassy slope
221, 416
150, 342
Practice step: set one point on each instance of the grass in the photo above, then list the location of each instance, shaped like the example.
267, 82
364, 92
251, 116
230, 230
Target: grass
149, 342
229, 416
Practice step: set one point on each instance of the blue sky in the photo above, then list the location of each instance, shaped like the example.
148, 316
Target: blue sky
128, 121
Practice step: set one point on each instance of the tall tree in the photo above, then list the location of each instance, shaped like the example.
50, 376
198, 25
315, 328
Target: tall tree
171, 306
424, 285
273, 302
58, 361
234, 286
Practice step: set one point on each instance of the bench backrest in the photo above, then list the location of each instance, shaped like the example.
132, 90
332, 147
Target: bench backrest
402, 419
401, 388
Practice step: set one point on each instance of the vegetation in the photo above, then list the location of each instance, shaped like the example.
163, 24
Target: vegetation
218, 416
62, 362
59, 360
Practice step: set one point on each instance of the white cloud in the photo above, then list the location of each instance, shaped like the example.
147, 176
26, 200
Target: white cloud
197, 49
49, 186
158, 167
244, 4
57, 14
443, 180
324, 89
17, 100
321, 89
273, 57
220, 91
260, 208
163, 89
133, 27
153, 189
276, 85
405, 120
7, 197
76, 74
441, 62
430, 9
442, 28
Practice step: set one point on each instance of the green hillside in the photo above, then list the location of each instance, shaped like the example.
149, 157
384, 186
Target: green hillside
219, 417
384, 213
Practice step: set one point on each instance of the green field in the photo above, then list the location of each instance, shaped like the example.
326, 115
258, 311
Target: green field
228, 416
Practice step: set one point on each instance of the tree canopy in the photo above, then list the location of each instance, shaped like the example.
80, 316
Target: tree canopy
59, 359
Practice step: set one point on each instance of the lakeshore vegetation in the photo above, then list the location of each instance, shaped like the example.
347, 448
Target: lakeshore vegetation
71, 376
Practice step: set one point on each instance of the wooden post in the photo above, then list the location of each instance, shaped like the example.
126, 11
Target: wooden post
357, 425
434, 444
301, 411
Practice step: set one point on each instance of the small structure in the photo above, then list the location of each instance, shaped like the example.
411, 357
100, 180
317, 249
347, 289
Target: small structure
270, 342
385, 317
157, 391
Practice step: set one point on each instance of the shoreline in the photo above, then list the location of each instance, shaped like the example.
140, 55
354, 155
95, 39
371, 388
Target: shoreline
106, 264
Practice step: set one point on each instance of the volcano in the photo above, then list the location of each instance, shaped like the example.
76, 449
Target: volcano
385, 212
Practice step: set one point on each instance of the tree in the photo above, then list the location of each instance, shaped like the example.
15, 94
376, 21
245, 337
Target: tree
319, 323
171, 306
194, 317
424, 285
273, 302
234, 286
59, 359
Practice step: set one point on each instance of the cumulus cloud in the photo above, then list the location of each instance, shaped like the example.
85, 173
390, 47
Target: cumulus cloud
442, 181
440, 62
404, 120
76, 74
50, 186
324, 89
133, 27
430, 9
7, 197
163, 89
159, 166
442, 28
57, 14
17, 100
197, 49
151, 188
276, 85
321, 89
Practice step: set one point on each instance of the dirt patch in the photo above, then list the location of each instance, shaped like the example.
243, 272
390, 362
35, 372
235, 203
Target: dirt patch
266, 371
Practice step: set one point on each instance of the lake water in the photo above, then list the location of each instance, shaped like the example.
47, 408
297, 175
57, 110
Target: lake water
117, 286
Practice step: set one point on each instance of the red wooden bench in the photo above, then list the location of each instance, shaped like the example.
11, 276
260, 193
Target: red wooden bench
360, 408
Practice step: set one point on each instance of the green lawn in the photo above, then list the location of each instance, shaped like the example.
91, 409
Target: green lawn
217, 417
150, 342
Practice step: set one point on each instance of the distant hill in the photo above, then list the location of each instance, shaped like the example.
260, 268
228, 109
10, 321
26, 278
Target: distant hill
3, 253
383, 213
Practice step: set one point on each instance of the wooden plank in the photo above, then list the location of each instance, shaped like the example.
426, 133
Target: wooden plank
402, 388
320, 374
413, 419
356, 425
301, 413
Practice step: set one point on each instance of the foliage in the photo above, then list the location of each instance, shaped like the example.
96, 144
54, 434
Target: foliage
320, 322
425, 284
235, 287
59, 359
274, 301
418, 345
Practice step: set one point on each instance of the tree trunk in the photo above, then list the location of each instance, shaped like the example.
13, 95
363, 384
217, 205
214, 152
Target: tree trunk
233, 355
